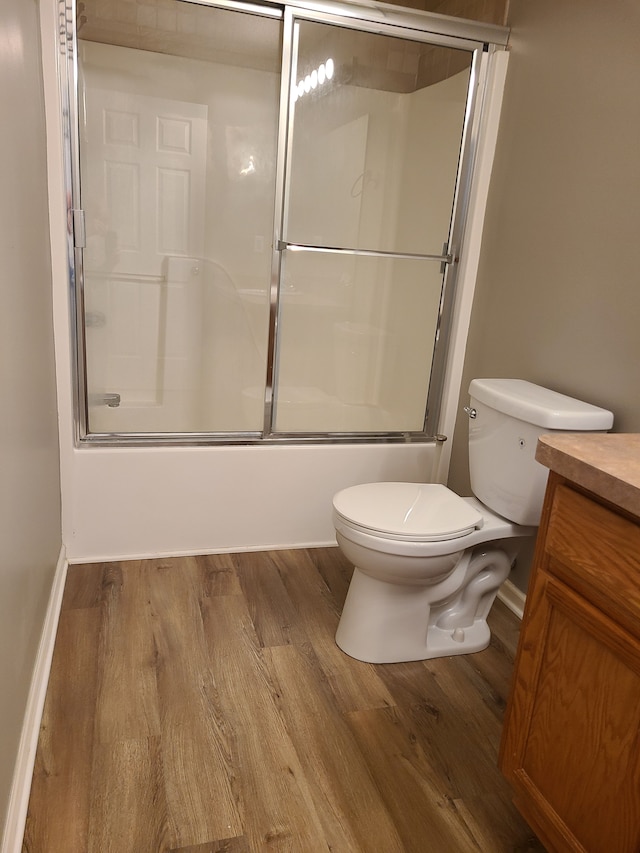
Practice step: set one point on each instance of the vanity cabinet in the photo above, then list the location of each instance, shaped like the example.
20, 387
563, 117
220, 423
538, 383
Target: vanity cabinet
571, 741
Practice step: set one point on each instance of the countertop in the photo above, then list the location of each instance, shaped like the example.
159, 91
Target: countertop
607, 464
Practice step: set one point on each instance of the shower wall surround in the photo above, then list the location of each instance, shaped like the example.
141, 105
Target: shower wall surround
314, 293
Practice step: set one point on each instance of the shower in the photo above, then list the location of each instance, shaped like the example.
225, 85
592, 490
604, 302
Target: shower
269, 205
252, 304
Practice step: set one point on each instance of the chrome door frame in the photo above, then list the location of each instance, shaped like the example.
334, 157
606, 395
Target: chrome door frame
479, 39
450, 255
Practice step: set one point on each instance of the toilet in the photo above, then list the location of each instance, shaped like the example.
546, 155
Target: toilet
429, 563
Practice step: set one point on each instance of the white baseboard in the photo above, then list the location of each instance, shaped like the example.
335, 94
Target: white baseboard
23, 771
512, 597
165, 555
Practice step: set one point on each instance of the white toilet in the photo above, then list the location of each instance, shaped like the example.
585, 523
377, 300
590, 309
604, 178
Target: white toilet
428, 562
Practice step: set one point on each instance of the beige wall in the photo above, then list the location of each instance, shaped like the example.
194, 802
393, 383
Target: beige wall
30, 534
558, 296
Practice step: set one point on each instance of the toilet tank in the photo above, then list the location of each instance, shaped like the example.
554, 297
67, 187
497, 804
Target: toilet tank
505, 419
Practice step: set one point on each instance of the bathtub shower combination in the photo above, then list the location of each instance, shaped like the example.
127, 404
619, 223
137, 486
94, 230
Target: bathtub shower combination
268, 204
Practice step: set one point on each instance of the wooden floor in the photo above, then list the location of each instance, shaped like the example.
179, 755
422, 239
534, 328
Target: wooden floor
200, 705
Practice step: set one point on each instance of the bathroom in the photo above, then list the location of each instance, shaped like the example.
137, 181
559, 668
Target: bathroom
555, 303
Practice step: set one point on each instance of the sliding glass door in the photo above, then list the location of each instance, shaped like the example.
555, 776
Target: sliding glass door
374, 139
272, 203
178, 123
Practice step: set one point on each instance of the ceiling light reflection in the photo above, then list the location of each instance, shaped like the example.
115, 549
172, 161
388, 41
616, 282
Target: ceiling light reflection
318, 77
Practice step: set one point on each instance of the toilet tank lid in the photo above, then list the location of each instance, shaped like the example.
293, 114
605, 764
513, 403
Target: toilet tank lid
539, 406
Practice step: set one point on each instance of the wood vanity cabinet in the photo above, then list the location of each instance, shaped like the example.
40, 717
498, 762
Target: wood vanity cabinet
571, 742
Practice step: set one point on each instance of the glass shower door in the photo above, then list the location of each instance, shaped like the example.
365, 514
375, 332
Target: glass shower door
267, 205
375, 133
178, 111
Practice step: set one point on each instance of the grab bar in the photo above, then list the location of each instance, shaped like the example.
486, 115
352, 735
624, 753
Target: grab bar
124, 276
370, 253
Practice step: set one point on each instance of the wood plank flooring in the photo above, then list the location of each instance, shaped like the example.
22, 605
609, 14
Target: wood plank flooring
200, 705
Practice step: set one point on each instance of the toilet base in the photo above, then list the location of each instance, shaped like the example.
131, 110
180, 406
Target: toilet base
440, 643
385, 622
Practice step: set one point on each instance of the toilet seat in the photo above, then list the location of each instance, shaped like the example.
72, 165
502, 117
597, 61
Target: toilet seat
493, 528
407, 512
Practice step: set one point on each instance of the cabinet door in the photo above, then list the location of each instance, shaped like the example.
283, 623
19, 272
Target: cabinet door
572, 744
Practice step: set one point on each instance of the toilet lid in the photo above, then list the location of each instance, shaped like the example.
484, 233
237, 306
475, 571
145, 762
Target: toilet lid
428, 512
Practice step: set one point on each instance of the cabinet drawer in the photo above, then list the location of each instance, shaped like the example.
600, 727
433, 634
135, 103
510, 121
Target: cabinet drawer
597, 552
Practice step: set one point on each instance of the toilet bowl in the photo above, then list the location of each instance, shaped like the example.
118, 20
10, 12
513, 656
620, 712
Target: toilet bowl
433, 540
429, 563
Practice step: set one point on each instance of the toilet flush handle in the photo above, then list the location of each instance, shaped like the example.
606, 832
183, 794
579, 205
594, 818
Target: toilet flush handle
471, 412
